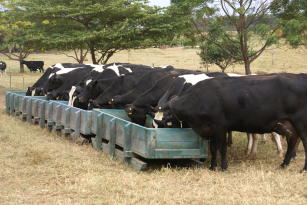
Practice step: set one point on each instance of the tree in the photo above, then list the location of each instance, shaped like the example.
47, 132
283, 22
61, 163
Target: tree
251, 34
104, 27
211, 53
16, 40
293, 15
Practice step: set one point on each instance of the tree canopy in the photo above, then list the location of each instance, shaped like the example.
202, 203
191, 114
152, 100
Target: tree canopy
103, 27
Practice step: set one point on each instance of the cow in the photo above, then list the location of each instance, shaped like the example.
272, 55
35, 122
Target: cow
39, 87
129, 97
180, 86
89, 88
2, 67
253, 104
145, 102
59, 83
34, 66
125, 84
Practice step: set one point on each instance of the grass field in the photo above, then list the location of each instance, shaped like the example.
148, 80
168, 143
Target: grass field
37, 167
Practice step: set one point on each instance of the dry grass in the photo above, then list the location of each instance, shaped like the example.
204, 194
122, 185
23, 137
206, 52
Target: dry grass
37, 167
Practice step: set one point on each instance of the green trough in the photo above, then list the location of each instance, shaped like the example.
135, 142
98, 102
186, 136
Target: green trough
110, 130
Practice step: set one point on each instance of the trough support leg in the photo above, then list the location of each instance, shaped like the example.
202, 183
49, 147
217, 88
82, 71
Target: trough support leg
97, 142
42, 115
29, 110
76, 133
112, 136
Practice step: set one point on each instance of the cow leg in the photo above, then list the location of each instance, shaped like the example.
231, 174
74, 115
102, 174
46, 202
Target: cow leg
304, 141
213, 151
276, 139
254, 145
229, 138
290, 149
295, 149
223, 151
249, 143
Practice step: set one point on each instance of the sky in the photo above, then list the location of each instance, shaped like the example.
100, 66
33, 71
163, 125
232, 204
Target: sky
161, 3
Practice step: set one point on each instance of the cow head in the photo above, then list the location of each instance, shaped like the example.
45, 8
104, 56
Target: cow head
29, 91
54, 82
87, 92
137, 114
164, 118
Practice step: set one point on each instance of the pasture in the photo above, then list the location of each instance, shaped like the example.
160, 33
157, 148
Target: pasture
38, 167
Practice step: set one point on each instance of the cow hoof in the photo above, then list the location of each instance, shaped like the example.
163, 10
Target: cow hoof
283, 166
212, 168
293, 156
303, 171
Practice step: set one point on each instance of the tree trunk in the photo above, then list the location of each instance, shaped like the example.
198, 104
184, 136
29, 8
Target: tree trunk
247, 65
21, 67
92, 51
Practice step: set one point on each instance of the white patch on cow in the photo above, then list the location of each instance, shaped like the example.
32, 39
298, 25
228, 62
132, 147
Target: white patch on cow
129, 70
159, 117
165, 66
66, 70
193, 79
59, 65
88, 81
73, 100
97, 68
234, 75
71, 92
33, 92
114, 68
52, 74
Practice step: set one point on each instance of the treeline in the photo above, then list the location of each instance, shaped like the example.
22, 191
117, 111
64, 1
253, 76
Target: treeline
100, 28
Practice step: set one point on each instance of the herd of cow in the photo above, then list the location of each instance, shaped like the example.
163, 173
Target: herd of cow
212, 104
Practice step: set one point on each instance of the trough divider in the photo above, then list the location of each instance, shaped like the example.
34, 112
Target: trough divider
29, 110
112, 137
76, 133
42, 114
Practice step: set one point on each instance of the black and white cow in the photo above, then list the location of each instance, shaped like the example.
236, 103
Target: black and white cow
59, 83
143, 103
89, 88
126, 83
39, 87
129, 97
34, 66
253, 104
2, 66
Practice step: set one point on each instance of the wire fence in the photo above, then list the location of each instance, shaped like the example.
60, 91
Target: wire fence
12, 81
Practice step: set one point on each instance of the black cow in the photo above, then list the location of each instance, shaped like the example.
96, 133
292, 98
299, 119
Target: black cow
2, 66
34, 65
253, 104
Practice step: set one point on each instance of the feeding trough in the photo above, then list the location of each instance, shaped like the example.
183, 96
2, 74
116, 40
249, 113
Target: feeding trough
111, 130
13, 101
133, 143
